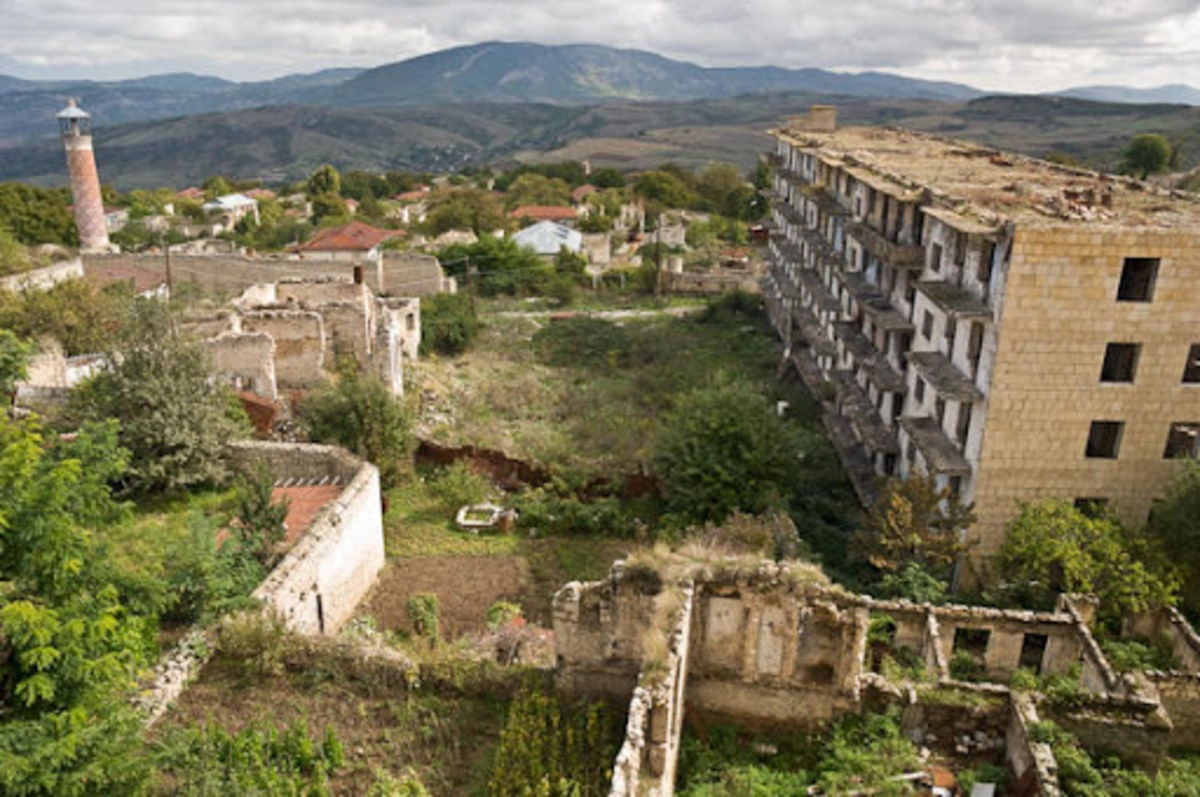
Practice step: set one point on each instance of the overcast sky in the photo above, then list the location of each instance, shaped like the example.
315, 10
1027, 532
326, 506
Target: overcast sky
1014, 45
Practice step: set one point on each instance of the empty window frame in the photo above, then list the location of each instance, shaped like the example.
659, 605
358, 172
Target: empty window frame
1104, 439
1092, 507
1120, 362
919, 391
1138, 275
1183, 440
1191, 369
927, 326
935, 260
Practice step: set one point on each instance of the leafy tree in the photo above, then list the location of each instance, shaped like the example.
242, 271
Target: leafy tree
914, 583
1174, 525
1146, 154
360, 414
174, 418
1053, 547
535, 189
324, 181
666, 188
915, 521
464, 209
217, 186
37, 215
722, 449
502, 266
260, 519
607, 177
362, 185
14, 357
14, 257
68, 648
329, 209
448, 323
83, 318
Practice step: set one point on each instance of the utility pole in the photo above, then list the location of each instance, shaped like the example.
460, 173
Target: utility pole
470, 282
170, 281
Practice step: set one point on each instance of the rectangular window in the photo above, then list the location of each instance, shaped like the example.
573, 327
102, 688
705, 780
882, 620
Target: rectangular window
964, 422
935, 260
919, 391
951, 331
1033, 650
1104, 439
1120, 362
1092, 507
927, 325
1182, 441
1138, 276
1191, 369
939, 409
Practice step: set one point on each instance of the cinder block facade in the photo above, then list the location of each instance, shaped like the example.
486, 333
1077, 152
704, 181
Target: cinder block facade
1016, 328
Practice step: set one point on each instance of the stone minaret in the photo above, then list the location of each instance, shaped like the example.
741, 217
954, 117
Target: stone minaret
75, 124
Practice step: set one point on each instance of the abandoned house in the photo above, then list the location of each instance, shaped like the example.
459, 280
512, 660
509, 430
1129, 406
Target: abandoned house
288, 335
1016, 328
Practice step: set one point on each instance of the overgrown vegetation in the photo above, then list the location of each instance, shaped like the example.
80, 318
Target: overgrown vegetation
360, 413
855, 755
552, 747
448, 324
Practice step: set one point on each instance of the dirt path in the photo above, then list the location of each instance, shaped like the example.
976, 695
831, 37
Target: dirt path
465, 586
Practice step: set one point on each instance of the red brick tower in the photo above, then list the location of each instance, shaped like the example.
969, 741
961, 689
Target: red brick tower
75, 124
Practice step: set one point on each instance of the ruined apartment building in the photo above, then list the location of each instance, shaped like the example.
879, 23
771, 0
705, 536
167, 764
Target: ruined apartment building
1016, 328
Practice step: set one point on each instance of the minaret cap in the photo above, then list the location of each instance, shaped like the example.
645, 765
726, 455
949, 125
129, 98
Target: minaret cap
73, 111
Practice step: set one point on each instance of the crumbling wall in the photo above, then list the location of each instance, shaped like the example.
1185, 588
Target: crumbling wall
319, 583
246, 360
348, 333
42, 279
1179, 693
711, 282
1007, 632
1032, 763
648, 760
598, 633
1168, 623
209, 325
299, 343
412, 274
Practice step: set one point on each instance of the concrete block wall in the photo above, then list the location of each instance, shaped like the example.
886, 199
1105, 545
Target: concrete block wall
1059, 314
319, 583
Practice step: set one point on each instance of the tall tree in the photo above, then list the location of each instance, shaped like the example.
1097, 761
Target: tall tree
175, 420
915, 522
1146, 154
325, 180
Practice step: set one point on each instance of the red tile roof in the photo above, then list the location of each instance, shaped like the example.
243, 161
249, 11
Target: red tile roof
261, 193
353, 237
303, 505
582, 192
191, 193
416, 195
545, 213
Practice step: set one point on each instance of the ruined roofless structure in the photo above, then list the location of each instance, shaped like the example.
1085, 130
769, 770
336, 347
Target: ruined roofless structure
1017, 329
75, 125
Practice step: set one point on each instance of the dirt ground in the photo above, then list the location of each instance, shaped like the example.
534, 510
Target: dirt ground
465, 586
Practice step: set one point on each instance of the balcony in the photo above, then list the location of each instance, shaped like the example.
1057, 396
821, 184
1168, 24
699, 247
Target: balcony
949, 382
953, 300
868, 358
941, 455
883, 314
825, 203
810, 332
856, 406
790, 214
905, 256
821, 297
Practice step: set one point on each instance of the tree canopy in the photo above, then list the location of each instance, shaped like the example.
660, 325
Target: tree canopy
914, 522
722, 449
1146, 154
1053, 547
175, 421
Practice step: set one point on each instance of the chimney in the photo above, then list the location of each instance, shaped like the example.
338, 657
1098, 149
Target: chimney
75, 127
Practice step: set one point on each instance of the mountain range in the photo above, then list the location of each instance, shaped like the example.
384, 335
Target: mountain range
491, 72
497, 102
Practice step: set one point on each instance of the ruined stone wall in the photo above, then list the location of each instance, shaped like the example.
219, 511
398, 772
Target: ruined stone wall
765, 654
1180, 696
1170, 624
245, 360
41, 279
412, 274
299, 344
348, 332
1031, 762
716, 281
648, 760
319, 583
1060, 312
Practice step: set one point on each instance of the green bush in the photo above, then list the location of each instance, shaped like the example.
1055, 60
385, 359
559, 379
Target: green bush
422, 610
361, 414
448, 324
211, 762
964, 667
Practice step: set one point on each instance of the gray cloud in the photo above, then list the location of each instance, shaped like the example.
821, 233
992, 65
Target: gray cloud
1002, 44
